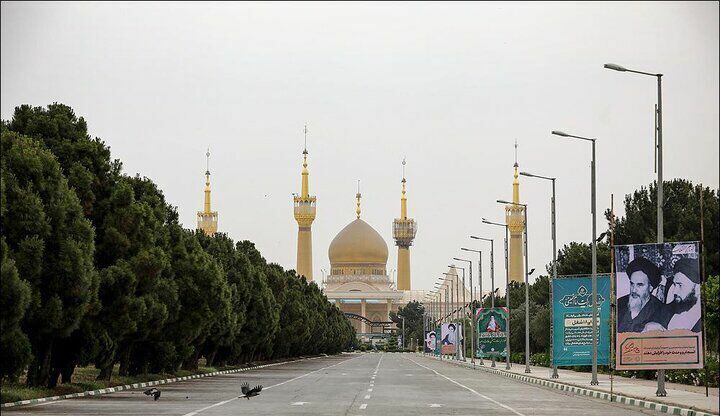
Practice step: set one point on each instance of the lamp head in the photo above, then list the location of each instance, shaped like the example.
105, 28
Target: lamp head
560, 133
615, 67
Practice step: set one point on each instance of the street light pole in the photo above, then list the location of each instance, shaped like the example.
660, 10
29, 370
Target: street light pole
461, 332
554, 275
661, 392
452, 301
492, 268
594, 380
472, 320
507, 291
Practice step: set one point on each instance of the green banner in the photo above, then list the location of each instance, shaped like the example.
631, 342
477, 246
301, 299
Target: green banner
492, 332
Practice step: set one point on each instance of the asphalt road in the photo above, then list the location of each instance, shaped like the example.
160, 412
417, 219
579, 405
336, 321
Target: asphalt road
351, 384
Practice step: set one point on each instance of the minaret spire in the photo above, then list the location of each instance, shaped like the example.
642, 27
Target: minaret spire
207, 182
207, 218
304, 212
358, 196
404, 230
516, 182
403, 198
305, 191
515, 220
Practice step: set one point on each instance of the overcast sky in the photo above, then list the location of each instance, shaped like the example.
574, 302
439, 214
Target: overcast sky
448, 86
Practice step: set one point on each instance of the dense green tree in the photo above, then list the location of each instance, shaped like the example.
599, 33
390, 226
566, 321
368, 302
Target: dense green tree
14, 301
51, 243
414, 327
711, 297
576, 259
681, 217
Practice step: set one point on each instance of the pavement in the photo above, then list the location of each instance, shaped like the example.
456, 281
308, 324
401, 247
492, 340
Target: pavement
348, 384
680, 395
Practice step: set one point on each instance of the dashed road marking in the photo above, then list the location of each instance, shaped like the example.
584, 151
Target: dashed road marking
299, 403
363, 406
367, 396
369, 389
194, 412
504, 406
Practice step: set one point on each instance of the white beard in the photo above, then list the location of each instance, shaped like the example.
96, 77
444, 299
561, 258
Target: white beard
636, 305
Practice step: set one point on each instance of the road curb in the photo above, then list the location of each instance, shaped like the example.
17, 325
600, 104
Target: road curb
617, 398
146, 384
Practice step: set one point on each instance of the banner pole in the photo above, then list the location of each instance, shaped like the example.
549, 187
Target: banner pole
611, 359
702, 282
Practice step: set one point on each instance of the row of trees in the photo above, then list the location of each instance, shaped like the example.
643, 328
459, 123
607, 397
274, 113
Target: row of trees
96, 269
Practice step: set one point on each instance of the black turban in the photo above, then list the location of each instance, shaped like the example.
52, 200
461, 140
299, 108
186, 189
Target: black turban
451, 325
641, 264
688, 267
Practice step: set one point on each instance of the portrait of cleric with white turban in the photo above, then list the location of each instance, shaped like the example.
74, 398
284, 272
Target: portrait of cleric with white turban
640, 307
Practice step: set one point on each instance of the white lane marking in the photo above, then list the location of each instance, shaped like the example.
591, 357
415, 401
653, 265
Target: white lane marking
46, 403
377, 367
435, 405
298, 403
468, 388
193, 413
367, 396
343, 374
369, 389
363, 406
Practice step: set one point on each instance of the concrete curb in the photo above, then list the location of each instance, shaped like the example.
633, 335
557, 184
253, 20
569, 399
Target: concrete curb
145, 384
618, 398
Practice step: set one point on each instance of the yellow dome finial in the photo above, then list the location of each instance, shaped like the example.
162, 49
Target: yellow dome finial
358, 196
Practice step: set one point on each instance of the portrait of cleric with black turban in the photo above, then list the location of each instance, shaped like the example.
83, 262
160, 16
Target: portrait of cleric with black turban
682, 310
640, 307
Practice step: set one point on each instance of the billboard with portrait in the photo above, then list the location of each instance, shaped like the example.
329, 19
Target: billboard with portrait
659, 322
492, 332
449, 338
572, 320
430, 341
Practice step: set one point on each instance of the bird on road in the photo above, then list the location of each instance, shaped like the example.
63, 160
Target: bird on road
248, 392
152, 392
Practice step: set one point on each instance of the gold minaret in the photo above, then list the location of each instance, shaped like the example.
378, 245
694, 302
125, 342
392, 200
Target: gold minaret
304, 209
515, 220
404, 230
207, 218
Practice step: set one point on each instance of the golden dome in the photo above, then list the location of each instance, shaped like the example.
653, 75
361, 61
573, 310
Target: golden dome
358, 243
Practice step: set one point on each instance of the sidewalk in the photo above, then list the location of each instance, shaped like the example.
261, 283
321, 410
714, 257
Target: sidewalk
678, 395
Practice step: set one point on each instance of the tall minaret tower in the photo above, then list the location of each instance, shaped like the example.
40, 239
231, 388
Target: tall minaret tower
207, 218
404, 230
304, 215
515, 220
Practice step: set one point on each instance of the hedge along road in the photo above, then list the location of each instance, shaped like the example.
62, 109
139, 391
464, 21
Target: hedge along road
356, 384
